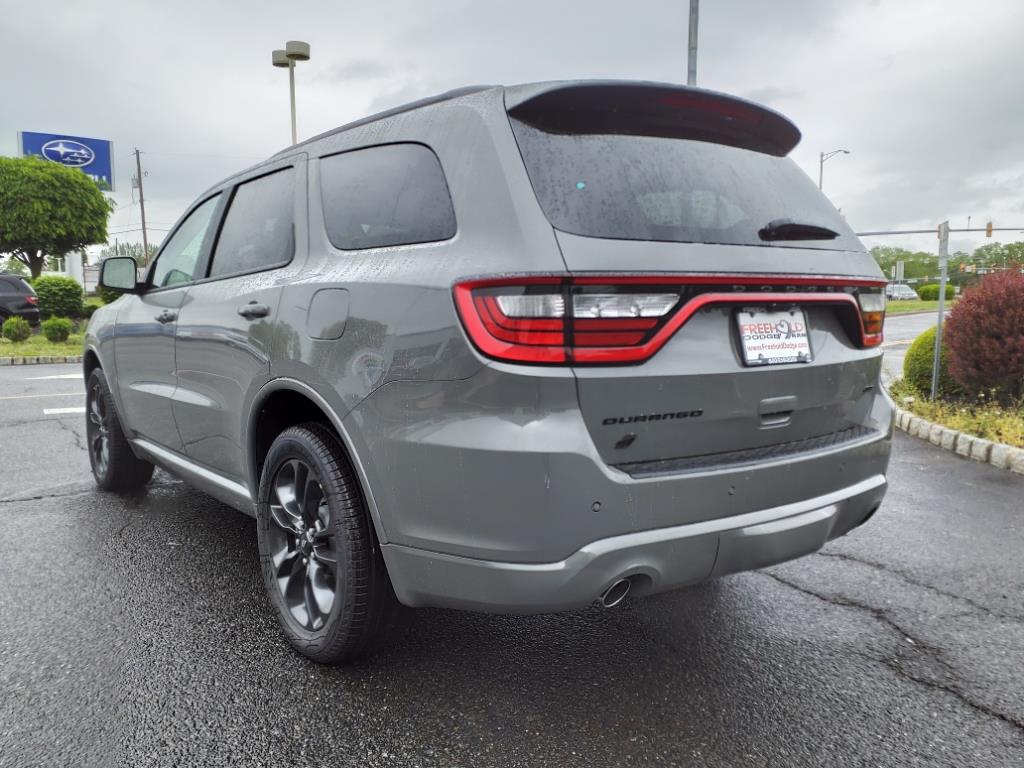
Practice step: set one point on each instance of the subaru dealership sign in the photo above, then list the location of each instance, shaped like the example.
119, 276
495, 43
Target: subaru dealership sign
93, 156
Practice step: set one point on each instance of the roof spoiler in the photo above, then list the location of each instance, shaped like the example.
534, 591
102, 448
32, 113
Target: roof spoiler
652, 109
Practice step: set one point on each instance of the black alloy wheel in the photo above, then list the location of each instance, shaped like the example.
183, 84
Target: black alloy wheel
302, 544
114, 464
322, 565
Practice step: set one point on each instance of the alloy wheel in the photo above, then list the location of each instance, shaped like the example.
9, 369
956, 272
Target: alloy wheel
98, 429
302, 544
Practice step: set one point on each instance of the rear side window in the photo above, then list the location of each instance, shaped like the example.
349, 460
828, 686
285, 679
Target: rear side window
636, 187
384, 196
258, 230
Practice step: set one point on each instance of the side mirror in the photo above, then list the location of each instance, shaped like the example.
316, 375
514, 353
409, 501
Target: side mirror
118, 274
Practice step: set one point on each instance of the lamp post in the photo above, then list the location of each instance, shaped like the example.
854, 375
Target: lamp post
294, 50
821, 163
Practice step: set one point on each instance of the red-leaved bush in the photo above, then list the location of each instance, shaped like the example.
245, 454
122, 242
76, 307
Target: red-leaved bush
985, 336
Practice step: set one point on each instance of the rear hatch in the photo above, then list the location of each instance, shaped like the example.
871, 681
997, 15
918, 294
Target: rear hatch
690, 236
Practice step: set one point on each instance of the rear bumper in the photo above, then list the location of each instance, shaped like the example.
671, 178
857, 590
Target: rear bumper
654, 560
31, 315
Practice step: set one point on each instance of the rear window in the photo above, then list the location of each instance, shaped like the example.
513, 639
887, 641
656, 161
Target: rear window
258, 231
394, 194
631, 187
14, 284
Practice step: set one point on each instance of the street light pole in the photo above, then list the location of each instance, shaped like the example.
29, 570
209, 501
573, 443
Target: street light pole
291, 91
294, 50
691, 62
821, 163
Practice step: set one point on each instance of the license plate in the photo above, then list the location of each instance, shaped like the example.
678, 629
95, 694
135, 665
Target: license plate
772, 338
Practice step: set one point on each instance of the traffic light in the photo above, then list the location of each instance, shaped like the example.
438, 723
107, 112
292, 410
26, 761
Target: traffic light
988, 229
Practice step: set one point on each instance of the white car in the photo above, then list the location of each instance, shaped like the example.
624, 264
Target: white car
899, 292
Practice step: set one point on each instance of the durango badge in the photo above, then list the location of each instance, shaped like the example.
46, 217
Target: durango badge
652, 417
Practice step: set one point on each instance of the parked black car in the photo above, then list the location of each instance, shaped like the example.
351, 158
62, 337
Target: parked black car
18, 299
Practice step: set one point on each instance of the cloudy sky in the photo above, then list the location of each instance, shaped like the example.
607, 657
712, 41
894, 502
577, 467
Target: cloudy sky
927, 96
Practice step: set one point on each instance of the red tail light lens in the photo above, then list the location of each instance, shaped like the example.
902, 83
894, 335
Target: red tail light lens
617, 320
33, 300
543, 320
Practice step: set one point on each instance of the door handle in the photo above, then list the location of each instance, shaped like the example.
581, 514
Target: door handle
253, 310
167, 316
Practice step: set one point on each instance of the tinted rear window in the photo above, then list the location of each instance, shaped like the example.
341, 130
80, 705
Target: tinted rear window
15, 284
389, 195
258, 230
632, 187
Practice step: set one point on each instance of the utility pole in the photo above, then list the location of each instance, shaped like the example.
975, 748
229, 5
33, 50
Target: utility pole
943, 258
691, 66
142, 205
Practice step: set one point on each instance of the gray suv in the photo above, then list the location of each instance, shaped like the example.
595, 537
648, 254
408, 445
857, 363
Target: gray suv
510, 349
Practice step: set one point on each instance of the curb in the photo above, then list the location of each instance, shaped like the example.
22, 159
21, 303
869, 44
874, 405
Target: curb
40, 360
999, 455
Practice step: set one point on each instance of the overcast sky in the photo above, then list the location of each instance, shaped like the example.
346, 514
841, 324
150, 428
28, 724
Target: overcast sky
927, 96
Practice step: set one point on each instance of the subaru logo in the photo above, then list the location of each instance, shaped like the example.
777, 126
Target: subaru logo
68, 152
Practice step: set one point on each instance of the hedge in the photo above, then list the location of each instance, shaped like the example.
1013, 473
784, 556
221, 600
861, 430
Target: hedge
985, 336
16, 329
59, 296
57, 329
930, 292
917, 367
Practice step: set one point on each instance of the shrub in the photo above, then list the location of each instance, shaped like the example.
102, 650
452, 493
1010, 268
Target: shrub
930, 292
16, 329
89, 310
58, 296
917, 367
56, 329
985, 336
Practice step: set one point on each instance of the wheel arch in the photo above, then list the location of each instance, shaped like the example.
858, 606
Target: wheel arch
283, 403
90, 362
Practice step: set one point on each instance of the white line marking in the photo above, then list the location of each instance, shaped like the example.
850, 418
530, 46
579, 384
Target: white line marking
58, 394
58, 411
58, 376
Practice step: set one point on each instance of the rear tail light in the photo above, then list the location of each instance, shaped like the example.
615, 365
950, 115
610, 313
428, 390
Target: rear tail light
33, 300
872, 314
617, 320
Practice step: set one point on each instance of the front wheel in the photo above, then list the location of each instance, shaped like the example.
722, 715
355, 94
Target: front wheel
114, 465
322, 568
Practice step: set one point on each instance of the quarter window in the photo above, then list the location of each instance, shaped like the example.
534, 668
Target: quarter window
389, 195
258, 227
179, 256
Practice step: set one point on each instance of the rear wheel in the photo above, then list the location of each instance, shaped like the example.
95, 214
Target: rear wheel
114, 465
321, 565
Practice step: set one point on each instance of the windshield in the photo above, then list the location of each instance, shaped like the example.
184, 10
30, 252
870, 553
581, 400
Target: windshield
653, 188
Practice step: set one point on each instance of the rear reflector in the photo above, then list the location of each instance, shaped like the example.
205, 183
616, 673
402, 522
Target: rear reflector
618, 320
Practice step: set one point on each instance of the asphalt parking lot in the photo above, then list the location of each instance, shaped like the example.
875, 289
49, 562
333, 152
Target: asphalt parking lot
134, 631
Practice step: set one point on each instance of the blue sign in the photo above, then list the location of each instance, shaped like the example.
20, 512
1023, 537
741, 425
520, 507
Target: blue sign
93, 156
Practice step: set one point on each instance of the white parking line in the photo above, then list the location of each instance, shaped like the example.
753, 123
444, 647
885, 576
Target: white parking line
29, 397
58, 411
58, 376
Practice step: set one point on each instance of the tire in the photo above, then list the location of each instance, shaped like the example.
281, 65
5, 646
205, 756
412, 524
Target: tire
114, 465
322, 567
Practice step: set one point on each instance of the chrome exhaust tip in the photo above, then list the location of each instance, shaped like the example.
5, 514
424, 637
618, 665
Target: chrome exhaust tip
615, 594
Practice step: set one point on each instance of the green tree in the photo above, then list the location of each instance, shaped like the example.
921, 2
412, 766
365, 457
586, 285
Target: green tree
1015, 253
991, 255
14, 267
130, 249
47, 209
